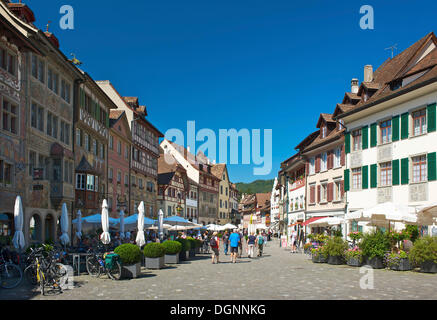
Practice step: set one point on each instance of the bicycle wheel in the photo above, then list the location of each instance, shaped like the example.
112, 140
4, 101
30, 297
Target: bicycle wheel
10, 275
93, 266
115, 272
30, 275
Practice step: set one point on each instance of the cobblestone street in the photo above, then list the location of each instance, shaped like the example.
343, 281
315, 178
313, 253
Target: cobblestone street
277, 275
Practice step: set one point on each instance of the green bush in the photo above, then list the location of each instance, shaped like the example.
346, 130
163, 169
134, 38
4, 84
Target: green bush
186, 245
172, 247
192, 242
375, 244
336, 247
320, 251
199, 243
129, 254
154, 250
424, 249
413, 232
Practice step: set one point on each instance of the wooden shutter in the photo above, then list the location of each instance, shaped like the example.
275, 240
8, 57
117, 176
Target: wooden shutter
346, 180
318, 193
318, 163
395, 172
330, 191
404, 125
395, 128
342, 188
365, 137
343, 156
347, 142
431, 117
432, 167
312, 194
373, 135
373, 176
404, 171
365, 177
330, 160
307, 168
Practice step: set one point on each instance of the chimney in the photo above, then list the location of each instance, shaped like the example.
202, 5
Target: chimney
368, 73
354, 85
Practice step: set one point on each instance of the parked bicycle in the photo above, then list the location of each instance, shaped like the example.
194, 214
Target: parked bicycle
10, 273
98, 263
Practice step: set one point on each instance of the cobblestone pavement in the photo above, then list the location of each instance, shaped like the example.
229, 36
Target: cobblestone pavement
277, 275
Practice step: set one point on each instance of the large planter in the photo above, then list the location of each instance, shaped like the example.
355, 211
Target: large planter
319, 259
192, 253
335, 260
198, 250
428, 267
184, 255
354, 262
155, 263
404, 265
171, 258
131, 272
375, 262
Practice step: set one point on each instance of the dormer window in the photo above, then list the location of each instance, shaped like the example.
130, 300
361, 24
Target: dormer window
324, 132
395, 85
340, 124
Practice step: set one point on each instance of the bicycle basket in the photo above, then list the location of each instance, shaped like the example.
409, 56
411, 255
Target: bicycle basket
110, 259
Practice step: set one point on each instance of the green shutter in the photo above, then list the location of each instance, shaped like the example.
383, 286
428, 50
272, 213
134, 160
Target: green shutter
373, 176
395, 127
365, 137
365, 181
395, 172
404, 125
107, 120
98, 112
346, 180
373, 136
347, 142
432, 167
431, 117
404, 171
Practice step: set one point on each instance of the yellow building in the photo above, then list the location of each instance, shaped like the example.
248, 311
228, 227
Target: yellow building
224, 208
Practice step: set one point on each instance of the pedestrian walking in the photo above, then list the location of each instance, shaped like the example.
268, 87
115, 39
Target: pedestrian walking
214, 243
251, 245
293, 241
234, 242
226, 242
240, 245
260, 243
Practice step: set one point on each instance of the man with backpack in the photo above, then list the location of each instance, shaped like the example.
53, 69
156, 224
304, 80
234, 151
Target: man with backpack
260, 241
214, 243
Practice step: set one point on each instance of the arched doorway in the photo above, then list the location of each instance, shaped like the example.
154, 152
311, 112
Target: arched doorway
35, 228
49, 228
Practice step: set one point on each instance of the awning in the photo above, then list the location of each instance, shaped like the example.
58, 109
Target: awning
295, 224
312, 220
4, 217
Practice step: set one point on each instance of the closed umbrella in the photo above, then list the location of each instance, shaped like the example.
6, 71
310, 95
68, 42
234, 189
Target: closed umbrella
79, 225
160, 224
65, 239
122, 236
105, 237
18, 240
141, 241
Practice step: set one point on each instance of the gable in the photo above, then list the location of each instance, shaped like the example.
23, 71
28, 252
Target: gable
121, 126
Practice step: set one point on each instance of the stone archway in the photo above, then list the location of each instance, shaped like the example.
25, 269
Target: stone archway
35, 228
49, 228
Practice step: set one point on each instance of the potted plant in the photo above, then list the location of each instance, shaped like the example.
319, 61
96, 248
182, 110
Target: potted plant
398, 261
184, 254
172, 249
199, 244
154, 253
192, 251
319, 255
307, 248
424, 254
354, 257
335, 248
130, 256
374, 246
355, 237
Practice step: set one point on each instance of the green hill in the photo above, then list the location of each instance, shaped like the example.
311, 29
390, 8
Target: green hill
258, 186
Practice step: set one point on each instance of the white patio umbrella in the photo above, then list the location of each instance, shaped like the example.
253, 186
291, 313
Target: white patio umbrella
325, 222
427, 215
122, 235
229, 226
385, 213
141, 241
79, 225
105, 237
214, 227
178, 228
18, 240
160, 224
65, 239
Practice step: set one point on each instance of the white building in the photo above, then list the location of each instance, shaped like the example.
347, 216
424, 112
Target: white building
391, 136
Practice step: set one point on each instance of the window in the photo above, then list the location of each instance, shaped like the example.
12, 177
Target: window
41, 119
386, 174
221, 203
221, 189
78, 137
324, 162
356, 178
57, 173
111, 142
337, 190
34, 66
33, 115
32, 162
5, 173
419, 169
111, 173
95, 149
312, 165
118, 177
126, 179
324, 193
356, 139
102, 151
65, 132
65, 171
337, 158
53, 80
55, 127
419, 122
119, 147
9, 115
324, 132
87, 142
65, 90
340, 124
90, 183
8, 61
385, 131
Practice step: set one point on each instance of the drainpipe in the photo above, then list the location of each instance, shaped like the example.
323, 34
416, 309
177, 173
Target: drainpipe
287, 203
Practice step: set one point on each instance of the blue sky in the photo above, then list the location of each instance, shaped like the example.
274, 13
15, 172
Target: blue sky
235, 64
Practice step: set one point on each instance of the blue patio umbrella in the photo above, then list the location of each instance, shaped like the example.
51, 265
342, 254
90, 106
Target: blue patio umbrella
97, 219
177, 221
134, 218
